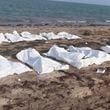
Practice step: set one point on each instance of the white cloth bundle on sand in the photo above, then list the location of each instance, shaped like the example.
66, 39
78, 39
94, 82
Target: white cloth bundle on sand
61, 35
78, 57
68, 36
106, 48
50, 36
27, 36
39, 63
9, 67
2, 38
14, 37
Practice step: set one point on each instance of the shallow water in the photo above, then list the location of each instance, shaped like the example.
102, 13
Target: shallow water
39, 11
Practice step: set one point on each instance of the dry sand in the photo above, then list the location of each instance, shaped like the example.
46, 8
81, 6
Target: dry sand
74, 89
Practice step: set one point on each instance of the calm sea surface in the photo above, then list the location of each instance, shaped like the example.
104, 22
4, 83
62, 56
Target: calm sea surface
42, 11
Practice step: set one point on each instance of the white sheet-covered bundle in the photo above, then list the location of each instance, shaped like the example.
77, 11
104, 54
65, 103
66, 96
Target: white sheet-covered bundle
39, 63
16, 37
50, 36
106, 48
27, 36
78, 57
61, 35
13, 37
68, 36
2, 38
9, 68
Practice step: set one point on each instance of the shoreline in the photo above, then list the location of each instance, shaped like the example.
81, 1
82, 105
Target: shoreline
78, 29
57, 23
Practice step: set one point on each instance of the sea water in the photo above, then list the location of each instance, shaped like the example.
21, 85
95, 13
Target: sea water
45, 11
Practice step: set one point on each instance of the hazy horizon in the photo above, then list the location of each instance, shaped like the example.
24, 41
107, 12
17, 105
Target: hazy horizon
98, 2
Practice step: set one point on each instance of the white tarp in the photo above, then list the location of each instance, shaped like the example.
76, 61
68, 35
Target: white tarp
78, 57
31, 37
106, 48
61, 35
39, 63
27, 36
14, 37
66, 35
2, 38
9, 68
50, 36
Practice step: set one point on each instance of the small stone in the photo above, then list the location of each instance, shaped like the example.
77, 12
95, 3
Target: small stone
46, 42
86, 43
101, 70
19, 79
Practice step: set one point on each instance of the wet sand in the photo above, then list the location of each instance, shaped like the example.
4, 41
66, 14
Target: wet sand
74, 89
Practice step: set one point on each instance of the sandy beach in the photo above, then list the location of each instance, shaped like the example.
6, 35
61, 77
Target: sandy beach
74, 89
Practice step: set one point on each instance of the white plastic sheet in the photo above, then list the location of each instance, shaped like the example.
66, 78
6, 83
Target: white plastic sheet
14, 37
68, 36
27, 36
78, 57
39, 63
106, 48
61, 35
9, 68
2, 38
51, 36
